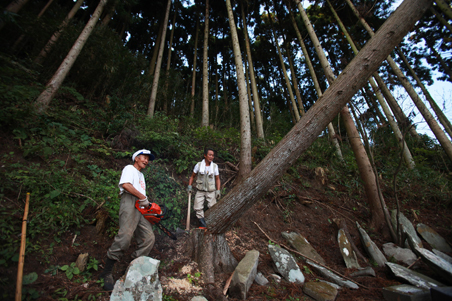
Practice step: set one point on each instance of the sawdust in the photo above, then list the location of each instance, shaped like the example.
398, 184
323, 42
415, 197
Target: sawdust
181, 286
189, 268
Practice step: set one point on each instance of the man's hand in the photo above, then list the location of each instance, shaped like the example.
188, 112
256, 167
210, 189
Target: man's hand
189, 189
144, 202
217, 194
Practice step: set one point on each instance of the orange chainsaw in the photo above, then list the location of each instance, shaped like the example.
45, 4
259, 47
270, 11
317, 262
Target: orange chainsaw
155, 214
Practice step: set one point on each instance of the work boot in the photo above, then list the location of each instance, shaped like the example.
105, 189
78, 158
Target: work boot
202, 223
109, 282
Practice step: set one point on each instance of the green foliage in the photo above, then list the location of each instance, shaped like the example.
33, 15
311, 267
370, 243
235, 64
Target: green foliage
70, 270
194, 279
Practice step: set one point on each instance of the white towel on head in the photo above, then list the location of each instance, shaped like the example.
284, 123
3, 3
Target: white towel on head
202, 168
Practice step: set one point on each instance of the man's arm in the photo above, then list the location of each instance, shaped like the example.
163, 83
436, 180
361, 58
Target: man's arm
192, 178
217, 182
132, 190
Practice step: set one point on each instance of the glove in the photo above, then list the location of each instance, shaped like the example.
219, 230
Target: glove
189, 189
217, 194
144, 202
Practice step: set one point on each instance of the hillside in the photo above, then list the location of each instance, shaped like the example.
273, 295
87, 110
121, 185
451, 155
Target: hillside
70, 161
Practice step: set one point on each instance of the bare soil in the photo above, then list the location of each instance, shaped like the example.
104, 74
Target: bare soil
306, 206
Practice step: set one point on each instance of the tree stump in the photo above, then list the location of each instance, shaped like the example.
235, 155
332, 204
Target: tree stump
211, 252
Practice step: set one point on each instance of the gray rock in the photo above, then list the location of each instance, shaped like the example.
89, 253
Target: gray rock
301, 244
443, 256
331, 276
368, 271
244, 275
351, 262
441, 293
405, 292
412, 277
371, 248
407, 227
260, 279
338, 287
436, 263
198, 298
286, 264
433, 238
400, 254
141, 282
320, 291
276, 277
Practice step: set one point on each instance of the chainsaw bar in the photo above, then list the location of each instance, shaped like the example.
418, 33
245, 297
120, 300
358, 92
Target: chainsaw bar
166, 231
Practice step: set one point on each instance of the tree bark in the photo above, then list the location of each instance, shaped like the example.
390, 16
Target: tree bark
193, 79
14, 7
257, 106
440, 59
437, 131
155, 82
245, 132
295, 82
155, 52
331, 131
441, 19
43, 101
56, 34
236, 203
248, 93
205, 71
445, 7
168, 62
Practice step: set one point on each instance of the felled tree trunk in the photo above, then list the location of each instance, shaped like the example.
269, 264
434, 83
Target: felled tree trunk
212, 253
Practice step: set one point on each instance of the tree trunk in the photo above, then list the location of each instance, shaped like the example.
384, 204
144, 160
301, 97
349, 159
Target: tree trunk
168, 63
56, 34
371, 103
205, 71
245, 132
14, 7
248, 92
155, 82
193, 79
295, 82
439, 113
236, 203
109, 15
22, 36
43, 101
437, 131
331, 131
445, 7
257, 107
440, 59
441, 19
155, 52
400, 139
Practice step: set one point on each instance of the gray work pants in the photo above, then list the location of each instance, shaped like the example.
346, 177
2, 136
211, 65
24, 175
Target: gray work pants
200, 197
131, 221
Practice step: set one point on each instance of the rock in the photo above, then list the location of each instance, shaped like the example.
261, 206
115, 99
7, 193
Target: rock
141, 282
412, 277
406, 292
81, 261
407, 227
443, 256
301, 244
441, 293
433, 238
286, 264
371, 248
400, 254
331, 276
260, 279
320, 175
368, 271
320, 291
276, 277
436, 263
198, 298
338, 287
351, 262
244, 275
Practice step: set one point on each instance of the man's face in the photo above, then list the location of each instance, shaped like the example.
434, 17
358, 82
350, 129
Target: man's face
210, 156
141, 161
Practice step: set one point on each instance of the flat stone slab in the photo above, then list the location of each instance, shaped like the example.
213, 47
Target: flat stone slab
141, 282
371, 248
302, 245
331, 276
441, 293
285, 264
406, 292
443, 256
351, 262
320, 291
367, 271
198, 298
435, 240
436, 263
412, 277
244, 275
407, 227
400, 254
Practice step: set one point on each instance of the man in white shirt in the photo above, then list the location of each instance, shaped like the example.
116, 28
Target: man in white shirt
207, 183
132, 187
